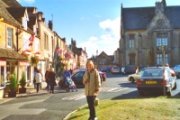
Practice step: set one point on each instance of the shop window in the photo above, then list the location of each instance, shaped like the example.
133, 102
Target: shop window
2, 75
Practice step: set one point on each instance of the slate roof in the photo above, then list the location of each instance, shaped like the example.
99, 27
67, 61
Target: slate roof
10, 3
11, 54
32, 21
7, 16
140, 18
173, 14
17, 13
31, 10
32, 16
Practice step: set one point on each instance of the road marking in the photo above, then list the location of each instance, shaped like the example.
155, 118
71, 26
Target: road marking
104, 89
75, 97
115, 89
112, 89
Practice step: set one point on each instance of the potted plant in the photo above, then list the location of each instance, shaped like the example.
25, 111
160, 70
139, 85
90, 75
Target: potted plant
22, 83
13, 85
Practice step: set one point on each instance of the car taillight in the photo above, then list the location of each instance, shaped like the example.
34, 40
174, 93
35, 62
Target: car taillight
163, 82
139, 82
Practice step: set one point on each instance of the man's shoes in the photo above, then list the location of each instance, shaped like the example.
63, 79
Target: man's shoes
93, 118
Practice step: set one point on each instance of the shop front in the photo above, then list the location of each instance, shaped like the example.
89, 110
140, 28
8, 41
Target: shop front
10, 63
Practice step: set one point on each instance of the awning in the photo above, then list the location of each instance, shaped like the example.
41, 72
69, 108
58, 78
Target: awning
8, 54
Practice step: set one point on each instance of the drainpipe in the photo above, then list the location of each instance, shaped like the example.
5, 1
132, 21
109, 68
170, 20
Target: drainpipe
17, 50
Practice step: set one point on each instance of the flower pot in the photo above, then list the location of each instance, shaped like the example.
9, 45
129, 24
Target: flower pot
12, 93
22, 90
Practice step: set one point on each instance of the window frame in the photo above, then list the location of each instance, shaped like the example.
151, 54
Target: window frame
10, 32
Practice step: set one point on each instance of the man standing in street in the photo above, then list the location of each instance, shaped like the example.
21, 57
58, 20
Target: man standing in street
52, 79
47, 79
91, 80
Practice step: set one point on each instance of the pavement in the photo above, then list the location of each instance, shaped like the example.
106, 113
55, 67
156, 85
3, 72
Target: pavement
30, 91
17, 110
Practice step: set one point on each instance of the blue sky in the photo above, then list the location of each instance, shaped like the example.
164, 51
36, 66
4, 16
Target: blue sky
94, 24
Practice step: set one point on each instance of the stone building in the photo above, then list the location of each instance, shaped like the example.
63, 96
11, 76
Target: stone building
150, 35
26, 41
103, 61
80, 55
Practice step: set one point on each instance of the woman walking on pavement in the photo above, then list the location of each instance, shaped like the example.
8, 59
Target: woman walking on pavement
91, 80
38, 78
52, 79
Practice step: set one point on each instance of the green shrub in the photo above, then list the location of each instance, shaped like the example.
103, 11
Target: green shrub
22, 81
13, 82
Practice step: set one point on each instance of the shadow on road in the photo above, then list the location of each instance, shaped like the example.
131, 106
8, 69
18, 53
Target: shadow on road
109, 75
134, 95
129, 85
130, 95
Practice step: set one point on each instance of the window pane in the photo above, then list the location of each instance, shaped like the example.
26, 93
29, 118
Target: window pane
9, 37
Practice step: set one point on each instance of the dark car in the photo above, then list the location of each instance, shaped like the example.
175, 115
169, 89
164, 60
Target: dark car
78, 77
129, 69
157, 80
177, 70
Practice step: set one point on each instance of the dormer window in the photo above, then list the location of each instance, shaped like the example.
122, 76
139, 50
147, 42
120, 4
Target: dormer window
24, 22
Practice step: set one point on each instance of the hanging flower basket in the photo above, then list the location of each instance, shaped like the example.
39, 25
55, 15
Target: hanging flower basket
68, 55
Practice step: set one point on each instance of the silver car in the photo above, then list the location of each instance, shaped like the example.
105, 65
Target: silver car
157, 80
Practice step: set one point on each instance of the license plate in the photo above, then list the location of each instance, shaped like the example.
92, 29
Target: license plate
151, 82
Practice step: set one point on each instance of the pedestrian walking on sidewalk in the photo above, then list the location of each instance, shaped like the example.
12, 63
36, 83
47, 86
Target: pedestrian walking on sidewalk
91, 80
38, 79
47, 79
52, 79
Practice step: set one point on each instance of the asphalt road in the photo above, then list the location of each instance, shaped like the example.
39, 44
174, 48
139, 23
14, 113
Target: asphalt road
57, 106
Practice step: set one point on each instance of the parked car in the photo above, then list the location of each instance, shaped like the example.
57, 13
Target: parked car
134, 77
159, 80
129, 69
78, 77
115, 70
177, 70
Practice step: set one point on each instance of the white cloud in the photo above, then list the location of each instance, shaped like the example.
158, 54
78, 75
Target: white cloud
28, 1
108, 41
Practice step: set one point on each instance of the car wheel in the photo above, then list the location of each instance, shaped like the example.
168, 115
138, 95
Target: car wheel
140, 93
132, 80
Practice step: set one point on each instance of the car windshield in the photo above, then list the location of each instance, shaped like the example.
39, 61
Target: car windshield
153, 72
177, 68
79, 74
